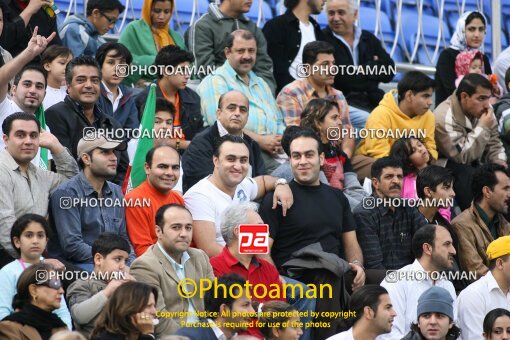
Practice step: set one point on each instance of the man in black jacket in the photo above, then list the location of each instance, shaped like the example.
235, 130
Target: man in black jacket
232, 116
363, 60
20, 20
79, 115
287, 35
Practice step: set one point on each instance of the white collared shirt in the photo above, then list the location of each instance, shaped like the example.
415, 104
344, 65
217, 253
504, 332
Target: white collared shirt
347, 335
404, 295
109, 94
475, 301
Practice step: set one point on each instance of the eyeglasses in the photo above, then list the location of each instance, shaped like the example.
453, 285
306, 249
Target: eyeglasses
111, 20
53, 284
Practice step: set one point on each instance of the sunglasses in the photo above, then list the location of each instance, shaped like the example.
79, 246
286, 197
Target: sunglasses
53, 284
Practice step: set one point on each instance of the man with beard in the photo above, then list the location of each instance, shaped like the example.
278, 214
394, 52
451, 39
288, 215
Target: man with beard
483, 222
265, 120
88, 205
288, 34
385, 228
467, 133
433, 249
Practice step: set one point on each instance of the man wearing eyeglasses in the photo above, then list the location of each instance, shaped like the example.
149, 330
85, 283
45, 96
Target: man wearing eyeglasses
83, 35
467, 133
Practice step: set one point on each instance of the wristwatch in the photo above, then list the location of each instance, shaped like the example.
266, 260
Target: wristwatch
280, 181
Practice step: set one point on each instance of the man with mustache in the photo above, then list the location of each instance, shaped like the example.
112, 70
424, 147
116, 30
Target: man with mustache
265, 120
88, 205
484, 220
467, 133
385, 229
434, 255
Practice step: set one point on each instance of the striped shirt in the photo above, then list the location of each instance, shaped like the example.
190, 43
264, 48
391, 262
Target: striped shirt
264, 118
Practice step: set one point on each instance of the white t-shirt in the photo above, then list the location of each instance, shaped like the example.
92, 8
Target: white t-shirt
207, 203
347, 335
54, 96
307, 35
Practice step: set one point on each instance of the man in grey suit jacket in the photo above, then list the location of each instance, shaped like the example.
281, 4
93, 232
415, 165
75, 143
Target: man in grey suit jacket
167, 263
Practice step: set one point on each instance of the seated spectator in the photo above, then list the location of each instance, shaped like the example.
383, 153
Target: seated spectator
88, 205
232, 117
496, 324
29, 236
483, 222
294, 97
287, 35
323, 115
54, 60
173, 87
116, 100
489, 292
83, 35
21, 19
129, 313
434, 252
80, 110
280, 321
255, 270
501, 65
233, 311
265, 121
87, 297
469, 35
149, 34
360, 48
228, 184
168, 262
373, 314
36, 298
206, 39
19, 196
435, 317
385, 231
405, 111
162, 169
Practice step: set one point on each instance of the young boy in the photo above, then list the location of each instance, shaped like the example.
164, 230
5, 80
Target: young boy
54, 60
29, 236
116, 99
88, 297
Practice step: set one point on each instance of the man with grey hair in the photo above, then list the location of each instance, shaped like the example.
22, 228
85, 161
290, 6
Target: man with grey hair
361, 49
255, 269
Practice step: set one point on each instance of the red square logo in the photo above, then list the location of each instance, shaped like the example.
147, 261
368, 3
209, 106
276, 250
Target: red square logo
254, 239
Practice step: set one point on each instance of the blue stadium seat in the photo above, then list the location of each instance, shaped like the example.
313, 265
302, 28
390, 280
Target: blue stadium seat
367, 19
183, 11
430, 25
322, 19
253, 14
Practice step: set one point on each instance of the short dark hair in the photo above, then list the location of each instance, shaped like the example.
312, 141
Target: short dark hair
121, 52
22, 223
104, 6
290, 4
83, 60
243, 34
306, 133
507, 78
108, 242
491, 317
402, 150
475, 15
30, 67
150, 154
213, 298
384, 162
164, 105
289, 132
492, 263
414, 81
314, 48
160, 214
172, 55
485, 176
7, 123
366, 296
228, 138
425, 234
471, 82
432, 176
53, 52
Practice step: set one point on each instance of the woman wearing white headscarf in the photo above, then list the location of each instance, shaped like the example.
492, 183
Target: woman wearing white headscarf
469, 35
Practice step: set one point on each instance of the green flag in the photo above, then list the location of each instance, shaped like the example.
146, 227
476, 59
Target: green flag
43, 160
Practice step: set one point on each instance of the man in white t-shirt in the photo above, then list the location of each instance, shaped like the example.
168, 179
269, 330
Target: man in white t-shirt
228, 185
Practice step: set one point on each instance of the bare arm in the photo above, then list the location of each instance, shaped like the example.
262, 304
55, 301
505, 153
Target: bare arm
204, 235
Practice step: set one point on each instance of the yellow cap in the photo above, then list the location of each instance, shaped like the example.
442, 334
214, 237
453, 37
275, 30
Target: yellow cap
499, 247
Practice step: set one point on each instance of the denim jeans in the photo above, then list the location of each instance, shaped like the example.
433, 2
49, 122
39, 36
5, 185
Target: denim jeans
302, 304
